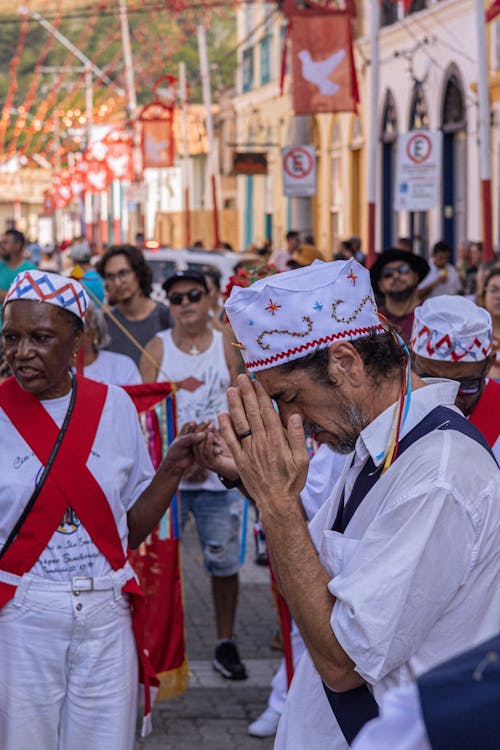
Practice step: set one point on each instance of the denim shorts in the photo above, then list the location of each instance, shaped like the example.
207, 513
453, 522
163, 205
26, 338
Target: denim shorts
218, 522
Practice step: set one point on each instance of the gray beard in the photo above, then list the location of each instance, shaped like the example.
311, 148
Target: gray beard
343, 444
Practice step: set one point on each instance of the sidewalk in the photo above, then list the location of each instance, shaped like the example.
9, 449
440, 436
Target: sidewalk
214, 713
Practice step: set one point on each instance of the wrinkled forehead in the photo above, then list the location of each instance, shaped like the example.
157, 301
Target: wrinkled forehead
34, 314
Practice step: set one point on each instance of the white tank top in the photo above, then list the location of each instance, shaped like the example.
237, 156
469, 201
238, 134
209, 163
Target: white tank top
205, 402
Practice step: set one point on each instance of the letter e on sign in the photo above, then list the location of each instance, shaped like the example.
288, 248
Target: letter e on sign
419, 148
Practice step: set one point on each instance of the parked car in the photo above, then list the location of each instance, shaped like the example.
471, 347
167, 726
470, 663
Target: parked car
166, 260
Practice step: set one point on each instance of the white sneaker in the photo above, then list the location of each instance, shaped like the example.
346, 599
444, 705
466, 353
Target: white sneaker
266, 725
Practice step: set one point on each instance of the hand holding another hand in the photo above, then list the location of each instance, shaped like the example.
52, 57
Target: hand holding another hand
180, 455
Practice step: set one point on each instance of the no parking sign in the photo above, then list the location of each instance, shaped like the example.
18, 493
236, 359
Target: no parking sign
299, 171
418, 170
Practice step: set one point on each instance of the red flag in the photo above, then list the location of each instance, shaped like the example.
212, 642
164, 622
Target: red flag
119, 155
158, 142
97, 174
493, 11
61, 190
323, 72
157, 561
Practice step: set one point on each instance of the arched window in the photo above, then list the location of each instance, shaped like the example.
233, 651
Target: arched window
453, 105
419, 118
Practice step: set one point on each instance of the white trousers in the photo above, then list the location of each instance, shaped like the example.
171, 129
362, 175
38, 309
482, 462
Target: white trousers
279, 682
68, 669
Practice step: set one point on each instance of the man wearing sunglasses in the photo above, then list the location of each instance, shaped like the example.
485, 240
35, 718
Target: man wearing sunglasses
202, 361
451, 339
395, 277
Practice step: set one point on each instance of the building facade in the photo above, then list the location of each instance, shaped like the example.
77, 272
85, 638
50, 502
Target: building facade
428, 80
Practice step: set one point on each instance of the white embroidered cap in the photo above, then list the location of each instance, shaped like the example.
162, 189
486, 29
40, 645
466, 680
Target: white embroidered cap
43, 286
451, 329
292, 314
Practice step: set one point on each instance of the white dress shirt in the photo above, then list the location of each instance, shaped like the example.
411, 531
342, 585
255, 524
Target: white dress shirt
415, 575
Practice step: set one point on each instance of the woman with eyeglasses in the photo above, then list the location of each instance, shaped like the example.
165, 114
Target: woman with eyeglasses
135, 317
489, 298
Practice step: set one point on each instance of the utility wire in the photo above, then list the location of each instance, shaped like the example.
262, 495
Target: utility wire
85, 11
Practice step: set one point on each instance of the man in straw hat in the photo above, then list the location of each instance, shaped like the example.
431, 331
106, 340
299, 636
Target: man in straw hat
397, 570
451, 338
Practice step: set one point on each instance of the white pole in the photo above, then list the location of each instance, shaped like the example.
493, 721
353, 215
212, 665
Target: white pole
128, 60
374, 16
131, 104
89, 103
207, 101
484, 128
185, 153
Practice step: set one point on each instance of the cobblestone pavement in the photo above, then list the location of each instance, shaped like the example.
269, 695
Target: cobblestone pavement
214, 713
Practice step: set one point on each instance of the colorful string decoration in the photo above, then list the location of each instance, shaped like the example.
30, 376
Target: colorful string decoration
402, 405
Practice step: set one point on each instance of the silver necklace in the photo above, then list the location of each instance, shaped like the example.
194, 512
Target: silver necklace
194, 351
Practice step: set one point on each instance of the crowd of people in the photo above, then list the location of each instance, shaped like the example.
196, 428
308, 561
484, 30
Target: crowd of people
384, 541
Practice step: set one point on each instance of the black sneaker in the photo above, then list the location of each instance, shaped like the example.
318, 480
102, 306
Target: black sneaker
227, 661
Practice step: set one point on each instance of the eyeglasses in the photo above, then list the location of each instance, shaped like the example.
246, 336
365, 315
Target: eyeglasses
193, 295
466, 386
120, 275
471, 386
386, 273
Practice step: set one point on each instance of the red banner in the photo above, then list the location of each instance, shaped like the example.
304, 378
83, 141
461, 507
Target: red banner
61, 192
493, 11
97, 174
158, 142
157, 561
119, 154
323, 72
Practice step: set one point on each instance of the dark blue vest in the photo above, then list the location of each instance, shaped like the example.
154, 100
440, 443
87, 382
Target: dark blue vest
460, 700
354, 708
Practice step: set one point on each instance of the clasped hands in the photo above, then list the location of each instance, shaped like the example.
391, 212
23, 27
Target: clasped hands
252, 444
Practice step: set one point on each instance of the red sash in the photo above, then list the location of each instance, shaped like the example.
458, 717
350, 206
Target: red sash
69, 483
486, 415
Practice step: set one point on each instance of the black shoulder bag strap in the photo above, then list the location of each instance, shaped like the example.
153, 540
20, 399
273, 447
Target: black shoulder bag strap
354, 708
24, 515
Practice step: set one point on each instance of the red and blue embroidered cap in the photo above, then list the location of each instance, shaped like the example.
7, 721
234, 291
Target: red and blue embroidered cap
44, 286
290, 315
450, 328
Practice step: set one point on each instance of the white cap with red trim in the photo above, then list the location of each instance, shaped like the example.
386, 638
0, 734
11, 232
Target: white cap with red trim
451, 329
290, 315
44, 286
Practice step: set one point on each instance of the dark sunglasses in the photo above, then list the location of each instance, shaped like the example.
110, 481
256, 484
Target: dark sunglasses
193, 295
466, 386
386, 273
